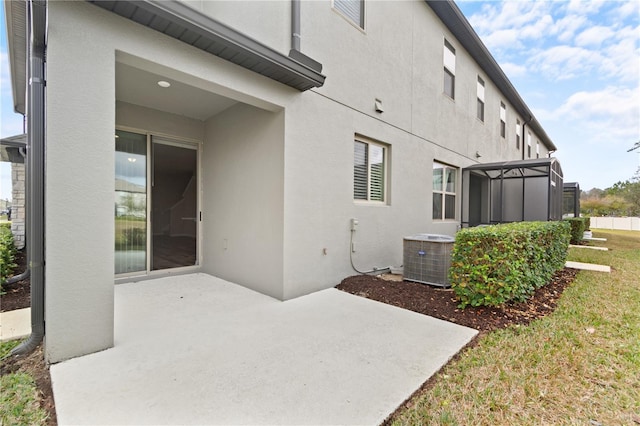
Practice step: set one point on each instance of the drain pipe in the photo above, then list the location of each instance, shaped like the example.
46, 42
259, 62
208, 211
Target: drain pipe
295, 25
37, 16
296, 36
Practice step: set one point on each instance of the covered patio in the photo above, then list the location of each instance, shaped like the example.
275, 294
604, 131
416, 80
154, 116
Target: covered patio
512, 191
195, 349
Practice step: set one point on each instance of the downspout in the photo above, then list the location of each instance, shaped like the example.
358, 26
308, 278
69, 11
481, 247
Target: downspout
296, 36
37, 20
295, 25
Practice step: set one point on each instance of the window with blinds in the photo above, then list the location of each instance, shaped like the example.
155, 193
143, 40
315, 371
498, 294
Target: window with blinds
444, 192
369, 171
352, 9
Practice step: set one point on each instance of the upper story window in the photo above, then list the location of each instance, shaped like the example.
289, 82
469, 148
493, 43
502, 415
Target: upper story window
518, 134
529, 144
480, 93
537, 149
503, 120
352, 9
369, 170
449, 62
444, 191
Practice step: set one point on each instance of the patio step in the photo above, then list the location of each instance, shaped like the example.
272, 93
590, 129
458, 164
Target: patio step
588, 266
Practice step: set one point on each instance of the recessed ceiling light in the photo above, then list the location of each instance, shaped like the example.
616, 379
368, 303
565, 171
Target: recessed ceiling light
163, 83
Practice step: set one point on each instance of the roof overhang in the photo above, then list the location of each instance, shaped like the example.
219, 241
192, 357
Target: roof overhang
16, 22
452, 17
176, 19
12, 148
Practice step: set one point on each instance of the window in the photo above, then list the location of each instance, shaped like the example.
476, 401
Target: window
480, 92
537, 149
449, 60
369, 171
518, 130
503, 120
529, 144
352, 9
444, 192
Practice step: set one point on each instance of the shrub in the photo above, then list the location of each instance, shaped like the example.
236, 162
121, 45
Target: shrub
7, 254
493, 265
577, 228
587, 223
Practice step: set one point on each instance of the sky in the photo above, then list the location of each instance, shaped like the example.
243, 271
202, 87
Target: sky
575, 63
577, 66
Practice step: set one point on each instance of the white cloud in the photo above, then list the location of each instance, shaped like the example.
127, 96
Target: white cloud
594, 36
611, 114
513, 70
567, 27
565, 62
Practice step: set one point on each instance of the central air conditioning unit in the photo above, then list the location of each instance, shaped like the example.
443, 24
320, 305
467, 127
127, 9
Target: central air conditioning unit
427, 259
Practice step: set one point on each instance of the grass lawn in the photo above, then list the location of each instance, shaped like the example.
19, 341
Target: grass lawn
580, 365
19, 396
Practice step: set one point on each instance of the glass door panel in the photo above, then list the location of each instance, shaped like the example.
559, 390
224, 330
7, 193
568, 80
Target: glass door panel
174, 205
130, 202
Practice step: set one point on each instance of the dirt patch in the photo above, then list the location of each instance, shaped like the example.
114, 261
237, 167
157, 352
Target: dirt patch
441, 303
18, 296
34, 365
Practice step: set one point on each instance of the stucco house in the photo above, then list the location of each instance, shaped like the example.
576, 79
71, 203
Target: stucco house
270, 144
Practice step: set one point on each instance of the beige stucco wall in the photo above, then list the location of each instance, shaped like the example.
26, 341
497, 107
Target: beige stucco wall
277, 168
243, 167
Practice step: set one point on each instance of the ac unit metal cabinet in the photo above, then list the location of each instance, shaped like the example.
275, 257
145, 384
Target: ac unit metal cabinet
427, 258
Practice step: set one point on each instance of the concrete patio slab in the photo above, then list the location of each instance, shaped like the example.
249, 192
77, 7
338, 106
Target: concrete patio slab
15, 324
588, 266
198, 350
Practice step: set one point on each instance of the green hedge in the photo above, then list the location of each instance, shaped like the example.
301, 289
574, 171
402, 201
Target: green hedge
7, 254
578, 226
495, 264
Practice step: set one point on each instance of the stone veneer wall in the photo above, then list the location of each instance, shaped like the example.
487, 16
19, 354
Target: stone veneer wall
17, 205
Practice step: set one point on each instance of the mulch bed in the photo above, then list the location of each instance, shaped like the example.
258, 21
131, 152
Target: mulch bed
440, 303
424, 299
17, 295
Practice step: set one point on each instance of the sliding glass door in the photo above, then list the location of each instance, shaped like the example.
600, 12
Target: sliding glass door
174, 206
156, 203
131, 203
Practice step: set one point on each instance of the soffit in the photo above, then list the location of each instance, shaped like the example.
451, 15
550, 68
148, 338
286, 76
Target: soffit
16, 21
140, 87
178, 20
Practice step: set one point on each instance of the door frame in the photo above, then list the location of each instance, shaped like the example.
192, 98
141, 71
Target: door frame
181, 142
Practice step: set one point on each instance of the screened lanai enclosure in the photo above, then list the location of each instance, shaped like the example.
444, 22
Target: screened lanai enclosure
512, 191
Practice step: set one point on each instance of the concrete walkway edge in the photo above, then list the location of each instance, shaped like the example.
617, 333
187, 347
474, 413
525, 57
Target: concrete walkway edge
15, 324
588, 266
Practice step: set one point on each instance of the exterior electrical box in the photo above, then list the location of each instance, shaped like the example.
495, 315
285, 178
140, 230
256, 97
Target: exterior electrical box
427, 259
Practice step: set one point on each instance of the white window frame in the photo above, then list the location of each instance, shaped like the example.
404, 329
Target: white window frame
449, 67
480, 103
529, 144
443, 191
503, 120
518, 133
346, 9
385, 172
